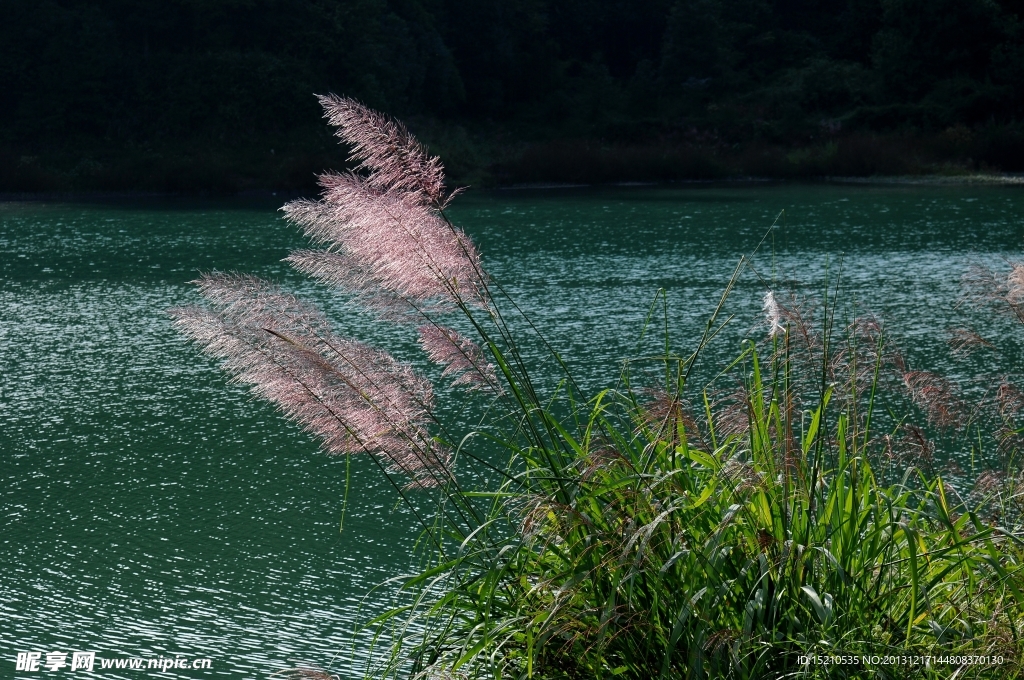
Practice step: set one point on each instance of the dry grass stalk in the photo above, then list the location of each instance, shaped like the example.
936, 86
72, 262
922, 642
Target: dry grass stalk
938, 397
665, 414
982, 286
963, 342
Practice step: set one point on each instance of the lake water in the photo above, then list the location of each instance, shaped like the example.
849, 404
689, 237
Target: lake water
152, 510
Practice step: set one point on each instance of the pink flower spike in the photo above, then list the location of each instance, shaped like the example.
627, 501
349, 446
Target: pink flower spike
389, 242
460, 356
384, 147
353, 397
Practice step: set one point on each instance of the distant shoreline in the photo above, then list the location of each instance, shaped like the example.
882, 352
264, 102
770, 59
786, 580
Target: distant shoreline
976, 179
489, 160
1008, 179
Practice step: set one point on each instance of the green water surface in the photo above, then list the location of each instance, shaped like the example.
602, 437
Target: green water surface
151, 509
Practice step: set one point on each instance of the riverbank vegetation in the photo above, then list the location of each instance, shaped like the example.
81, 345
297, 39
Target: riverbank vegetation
216, 96
750, 520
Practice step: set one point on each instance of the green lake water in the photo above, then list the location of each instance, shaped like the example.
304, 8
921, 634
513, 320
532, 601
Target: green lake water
150, 509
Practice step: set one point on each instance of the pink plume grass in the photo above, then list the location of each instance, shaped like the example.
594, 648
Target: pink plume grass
345, 272
385, 149
386, 241
353, 397
386, 238
383, 238
460, 356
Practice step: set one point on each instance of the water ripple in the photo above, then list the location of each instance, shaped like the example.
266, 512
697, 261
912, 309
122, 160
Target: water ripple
152, 509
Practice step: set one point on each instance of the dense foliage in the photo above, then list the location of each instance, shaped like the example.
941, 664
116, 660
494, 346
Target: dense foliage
84, 82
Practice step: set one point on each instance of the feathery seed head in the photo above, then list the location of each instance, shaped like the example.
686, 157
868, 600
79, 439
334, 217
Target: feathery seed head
1010, 400
351, 396
386, 241
394, 159
964, 341
460, 356
665, 414
1015, 284
731, 413
914, 446
983, 286
773, 315
937, 397
989, 482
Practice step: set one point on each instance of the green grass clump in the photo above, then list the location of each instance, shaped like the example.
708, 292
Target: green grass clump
750, 536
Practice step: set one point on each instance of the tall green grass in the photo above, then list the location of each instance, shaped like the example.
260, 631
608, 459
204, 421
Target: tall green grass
681, 531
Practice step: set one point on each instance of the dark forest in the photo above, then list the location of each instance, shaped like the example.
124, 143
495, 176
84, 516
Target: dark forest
184, 95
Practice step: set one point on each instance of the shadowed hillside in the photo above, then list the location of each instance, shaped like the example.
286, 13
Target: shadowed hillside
217, 96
